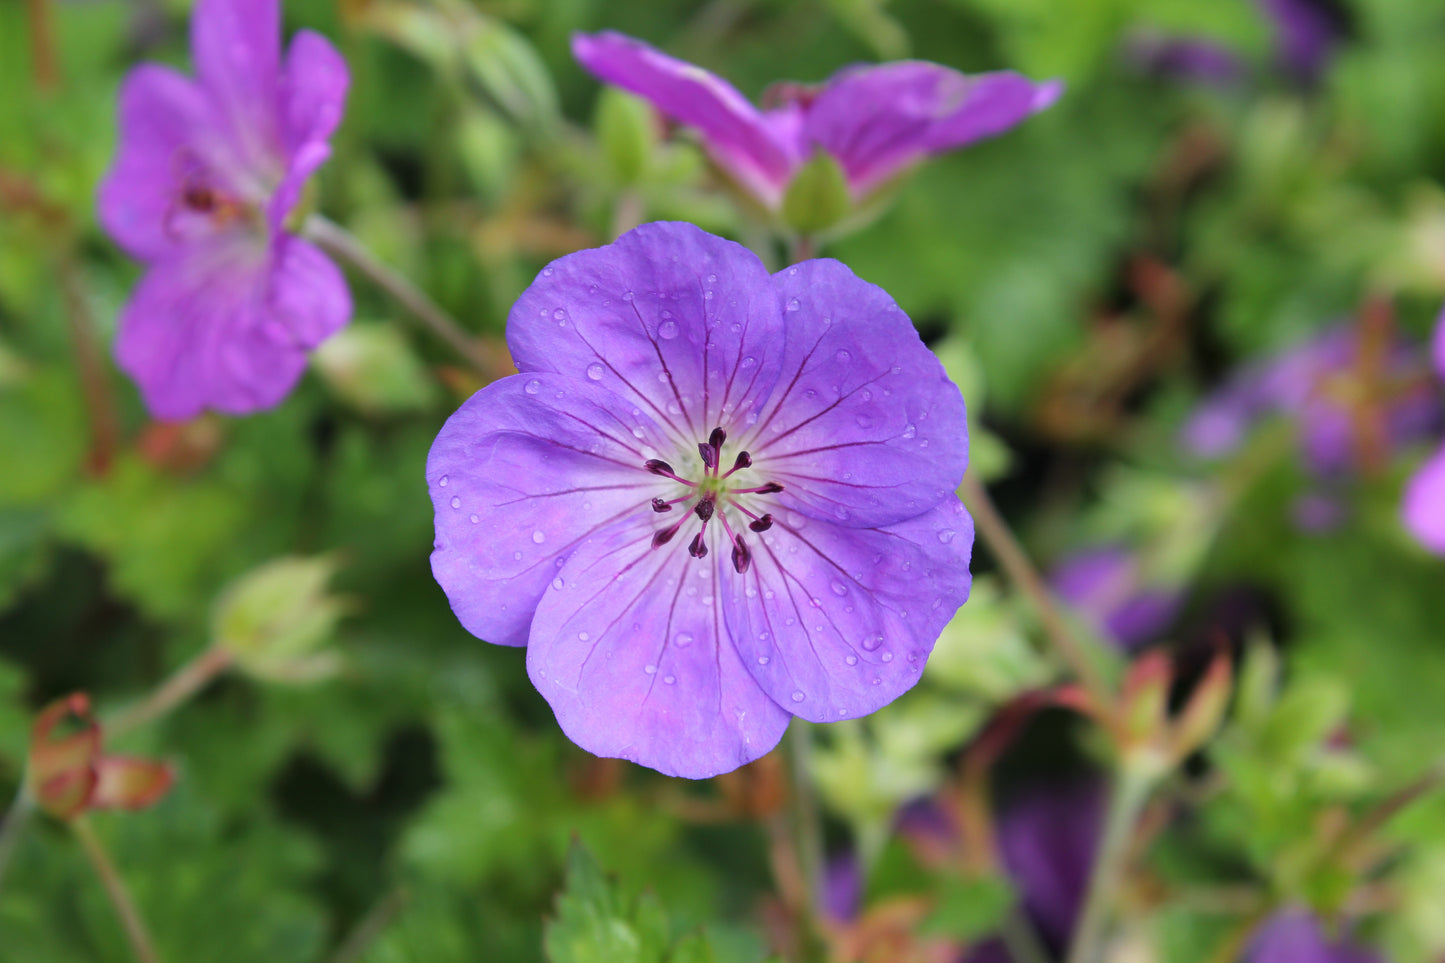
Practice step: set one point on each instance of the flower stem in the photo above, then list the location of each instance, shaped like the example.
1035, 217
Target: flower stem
135, 928
94, 381
186, 682
809, 826
1126, 801
802, 248
15, 820
1010, 554
345, 245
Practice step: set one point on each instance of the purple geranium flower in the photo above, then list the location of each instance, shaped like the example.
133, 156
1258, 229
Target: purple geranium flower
1317, 384
1424, 507
1305, 33
874, 120
712, 499
1108, 588
1296, 936
207, 172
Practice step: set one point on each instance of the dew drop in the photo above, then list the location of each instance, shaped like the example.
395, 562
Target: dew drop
669, 679
667, 330
594, 372
798, 695
546, 272
583, 636
840, 589
851, 660
683, 640
864, 421
871, 643
712, 279
517, 556
559, 315
557, 583
707, 295
475, 519
763, 660
886, 657
877, 681
748, 362
456, 502
650, 670
533, 386
443, 480
909, 431
946, 535
842, 355
628, 296
793, 304
538, 537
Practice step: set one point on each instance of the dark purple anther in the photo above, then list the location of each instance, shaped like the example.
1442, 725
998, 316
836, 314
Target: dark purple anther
658, 505
657, 466
665, 536
697, 549
717, 438
744, 461
705, 508
742, 557
708, 453
761, 524
771, 488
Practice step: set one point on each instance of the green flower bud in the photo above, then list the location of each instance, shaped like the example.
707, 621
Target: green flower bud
274, 620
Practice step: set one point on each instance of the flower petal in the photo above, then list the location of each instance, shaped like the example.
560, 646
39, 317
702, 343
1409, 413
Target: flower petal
161, 112
1424, 506
864, 427
237, 49
312, 99
878, 120
523, 470
226, 325
680, 323
631, 651
127, 783
836, 622
735, 133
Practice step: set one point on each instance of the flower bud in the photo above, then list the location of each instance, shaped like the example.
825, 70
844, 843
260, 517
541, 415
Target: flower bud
68, 775
817, 197
627, 130
371, 366
1205, 709
275, 618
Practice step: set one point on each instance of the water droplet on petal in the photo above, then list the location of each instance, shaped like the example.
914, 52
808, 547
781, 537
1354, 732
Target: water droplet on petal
712, 279
443, 480
558, 583
946, 535
798, 695
532, 387
650, 670
667, 330
864, 421
842, 356
669, 679
594, 371
628, 296
683, 640
546, 272
851, 660
456, 502
475, 519
877, 681
763, 660
559, 314
538, 537
748, 362
840, 589
909, 431
886, 657
871, 643
793, 304
517, 556
583, 636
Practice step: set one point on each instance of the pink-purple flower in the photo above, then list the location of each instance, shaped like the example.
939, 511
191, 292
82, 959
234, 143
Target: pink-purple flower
207, 173
713, 499
875, 121
1424, 505
1107, 586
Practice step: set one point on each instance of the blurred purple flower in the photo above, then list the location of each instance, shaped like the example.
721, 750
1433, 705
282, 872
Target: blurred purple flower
1315, 384
1188, 59
1306, 34
1295, 936
875, 121
206, 174
842, 887
1106, 586
711, 500
1424, 504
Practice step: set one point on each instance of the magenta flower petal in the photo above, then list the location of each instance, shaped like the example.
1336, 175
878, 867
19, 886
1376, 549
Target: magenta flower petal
680, 323
629, 648
864, 428
1424, 506
237, 49
308, 296
735, 133
526, 468
1295, 935
878, 120
836, 622
161, 113
312, 98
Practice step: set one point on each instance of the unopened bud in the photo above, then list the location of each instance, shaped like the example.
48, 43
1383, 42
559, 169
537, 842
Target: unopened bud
1205, 710
67, 774
274, 620
817, 197
369, 365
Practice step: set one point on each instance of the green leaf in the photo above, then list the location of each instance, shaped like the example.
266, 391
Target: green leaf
969, 908
817, 197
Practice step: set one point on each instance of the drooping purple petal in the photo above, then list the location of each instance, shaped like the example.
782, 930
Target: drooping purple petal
733, 131
1047, 836
237, 49
312, 98
1306, 35
161, 114
308, 294
524, 469
1106, 586
864, 427
878, 120
629, 647
683, 324
1189, 59
1423, 510
1296, 936
836, 622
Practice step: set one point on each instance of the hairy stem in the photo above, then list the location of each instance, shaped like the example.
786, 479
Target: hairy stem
15, 820
1010, 554
1126, 801
115, 888
343, 244
184, 683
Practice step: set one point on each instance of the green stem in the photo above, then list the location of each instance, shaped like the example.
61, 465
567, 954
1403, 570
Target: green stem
115, 888
1010, 554
181, 686
345, 245
808, 824
15, 820
1022, 941
1126, 801
803, 248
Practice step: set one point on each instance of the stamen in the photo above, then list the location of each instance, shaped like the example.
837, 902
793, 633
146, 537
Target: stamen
659, 467
705, 508
709, 455
742, 557
697, 549
658, 505
771, 488
717, 438
762, 524
744, 460
665, 536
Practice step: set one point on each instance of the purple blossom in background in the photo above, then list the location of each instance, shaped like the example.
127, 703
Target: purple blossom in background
1313, 383
1188, 59
712, 499
876, 121
1106, 586
1424, 505
1296, 936
207, 172
1306, 34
